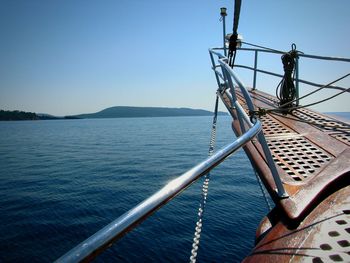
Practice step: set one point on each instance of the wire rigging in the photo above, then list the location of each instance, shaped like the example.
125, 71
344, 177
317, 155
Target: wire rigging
262, 47
319, 101
234, 36
284, 109
285, 90
269, 207
320, 88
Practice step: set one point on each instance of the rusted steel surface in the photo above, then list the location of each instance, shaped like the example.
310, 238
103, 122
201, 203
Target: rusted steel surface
319, 132
312, 153
305, 150
323, 236
335, 175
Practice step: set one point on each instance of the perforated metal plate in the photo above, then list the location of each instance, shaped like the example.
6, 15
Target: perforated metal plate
272, 128
298, 157
337, 129
265, 97
341, 136
293, 152
330, 238
322, 121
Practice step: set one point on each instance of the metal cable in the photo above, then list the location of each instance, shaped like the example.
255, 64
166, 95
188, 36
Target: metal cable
320, 101
283, 105
262, 111
266, 48
263, 191
198, 229
305, 106
323, 87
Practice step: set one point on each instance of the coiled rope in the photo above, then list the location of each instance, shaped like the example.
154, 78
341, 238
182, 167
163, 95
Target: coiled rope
285, 90
262, 111
288, 106
198, 229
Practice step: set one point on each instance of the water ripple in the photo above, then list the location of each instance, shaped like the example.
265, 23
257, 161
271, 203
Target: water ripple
61, 181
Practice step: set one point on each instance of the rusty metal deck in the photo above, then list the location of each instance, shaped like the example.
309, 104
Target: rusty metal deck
303, 143
324, 235
312, 152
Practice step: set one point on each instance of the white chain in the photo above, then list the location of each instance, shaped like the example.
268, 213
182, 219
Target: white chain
198, 230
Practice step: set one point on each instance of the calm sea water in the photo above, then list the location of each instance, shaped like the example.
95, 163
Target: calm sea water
63, 180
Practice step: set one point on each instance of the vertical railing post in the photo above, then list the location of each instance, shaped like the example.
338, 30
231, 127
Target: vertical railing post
255, 68
213, 67
297, 80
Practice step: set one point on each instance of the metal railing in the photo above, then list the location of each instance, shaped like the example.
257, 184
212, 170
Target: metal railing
227, 82
226, 78
98, 242
297, 80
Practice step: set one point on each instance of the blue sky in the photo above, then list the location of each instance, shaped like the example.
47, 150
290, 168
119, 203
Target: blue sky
73, 56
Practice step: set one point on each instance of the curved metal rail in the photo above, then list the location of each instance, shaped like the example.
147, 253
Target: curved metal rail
297, 80
95, 244
225, 80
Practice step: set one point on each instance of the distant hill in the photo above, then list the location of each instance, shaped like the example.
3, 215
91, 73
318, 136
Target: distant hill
45, 116
113, 112
17, 115
6, 115
130, 112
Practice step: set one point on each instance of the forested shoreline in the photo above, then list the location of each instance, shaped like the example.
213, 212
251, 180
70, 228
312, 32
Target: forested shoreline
17, 115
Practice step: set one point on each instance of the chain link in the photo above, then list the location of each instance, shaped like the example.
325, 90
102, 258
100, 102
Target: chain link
205, 187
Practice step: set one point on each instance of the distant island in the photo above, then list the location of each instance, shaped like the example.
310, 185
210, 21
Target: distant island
112, 112
134, 112
17, 115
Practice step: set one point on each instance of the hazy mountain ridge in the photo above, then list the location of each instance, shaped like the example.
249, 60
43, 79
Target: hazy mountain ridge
112, 112
133, 112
